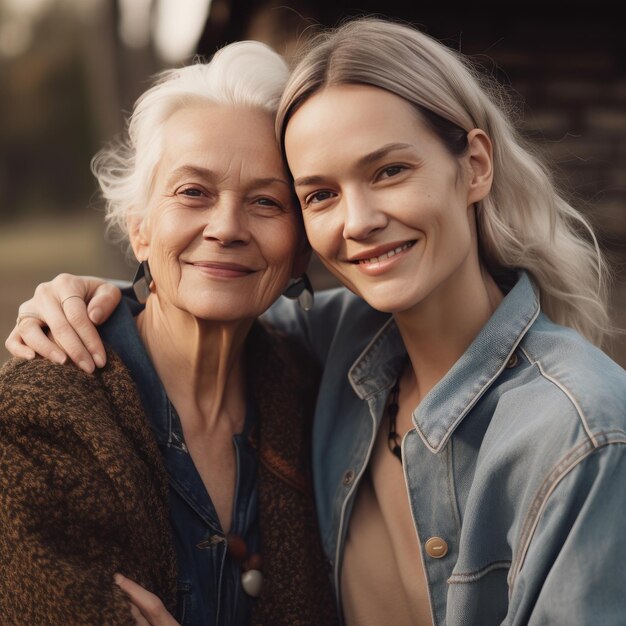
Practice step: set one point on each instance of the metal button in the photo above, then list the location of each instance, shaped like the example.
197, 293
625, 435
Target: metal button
348, 477
512, 362
436, 547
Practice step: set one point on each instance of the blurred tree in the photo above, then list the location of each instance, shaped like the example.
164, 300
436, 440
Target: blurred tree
63, 97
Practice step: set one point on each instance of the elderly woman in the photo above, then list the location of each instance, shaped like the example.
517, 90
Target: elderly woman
198, 398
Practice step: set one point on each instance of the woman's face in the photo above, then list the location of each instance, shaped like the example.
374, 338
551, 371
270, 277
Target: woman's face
221, 233
386, 207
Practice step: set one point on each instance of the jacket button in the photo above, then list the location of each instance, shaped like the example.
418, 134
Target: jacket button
211, 542
348, 477
512, 362
436, 547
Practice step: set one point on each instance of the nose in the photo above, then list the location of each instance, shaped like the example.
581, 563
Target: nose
227, 222
362, 216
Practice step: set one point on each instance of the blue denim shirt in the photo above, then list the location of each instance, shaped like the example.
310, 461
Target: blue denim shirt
517, 459
209, 581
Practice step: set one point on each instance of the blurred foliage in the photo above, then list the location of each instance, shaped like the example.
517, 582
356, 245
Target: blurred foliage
46, 129
62, 98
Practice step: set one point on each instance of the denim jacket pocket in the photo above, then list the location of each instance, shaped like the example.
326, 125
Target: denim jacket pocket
479, 596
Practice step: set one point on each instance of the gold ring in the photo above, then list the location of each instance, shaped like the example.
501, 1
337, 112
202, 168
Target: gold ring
22, 316
68, 297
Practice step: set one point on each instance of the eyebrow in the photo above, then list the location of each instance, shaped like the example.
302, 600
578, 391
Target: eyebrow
365, 160
203, 172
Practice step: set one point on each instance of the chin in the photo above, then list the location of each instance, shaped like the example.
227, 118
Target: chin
223, 317
386, 298
224, 312
389, 307
384, 305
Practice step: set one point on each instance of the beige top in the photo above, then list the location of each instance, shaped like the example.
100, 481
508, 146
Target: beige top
382, 578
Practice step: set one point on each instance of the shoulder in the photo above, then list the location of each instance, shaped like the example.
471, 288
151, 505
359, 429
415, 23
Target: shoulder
43, 377
330, 305
338, 317
273, 354
88, 424
341, 305
583, 379
51, 394
40, 382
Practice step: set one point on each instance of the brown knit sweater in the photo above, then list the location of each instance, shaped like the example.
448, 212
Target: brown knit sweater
83, 494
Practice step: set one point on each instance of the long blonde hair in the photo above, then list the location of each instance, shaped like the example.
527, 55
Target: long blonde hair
525, 222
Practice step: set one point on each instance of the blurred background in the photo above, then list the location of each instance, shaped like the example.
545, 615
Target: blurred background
70, 71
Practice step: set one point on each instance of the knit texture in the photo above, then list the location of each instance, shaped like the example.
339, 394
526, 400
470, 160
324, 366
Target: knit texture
296, 577
83, 494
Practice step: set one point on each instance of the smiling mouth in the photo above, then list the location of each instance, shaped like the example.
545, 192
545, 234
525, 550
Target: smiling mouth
385, 255
221, 265
222, 269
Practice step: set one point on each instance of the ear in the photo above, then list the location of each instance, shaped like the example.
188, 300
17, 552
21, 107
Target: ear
139, 239
480, 154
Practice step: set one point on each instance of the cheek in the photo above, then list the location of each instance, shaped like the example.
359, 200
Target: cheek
168, 242
165, 268
281, 243
176, 228
455, 231
165, 246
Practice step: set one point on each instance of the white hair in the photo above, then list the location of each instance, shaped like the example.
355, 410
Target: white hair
241, 74
524, 222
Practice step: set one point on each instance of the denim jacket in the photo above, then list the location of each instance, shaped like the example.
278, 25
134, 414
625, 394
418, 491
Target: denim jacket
516, 462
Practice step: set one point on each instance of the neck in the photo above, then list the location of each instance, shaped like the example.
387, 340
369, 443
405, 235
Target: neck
200, 363
439, 329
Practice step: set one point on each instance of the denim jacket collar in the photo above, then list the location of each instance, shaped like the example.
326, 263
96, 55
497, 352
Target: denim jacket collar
445, 406
121, 333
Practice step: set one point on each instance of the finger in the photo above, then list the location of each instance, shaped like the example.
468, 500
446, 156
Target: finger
30, 334
63, 343
149, 605
60, 304
17, 348
103, 302
102, 298
77, 316
68, 340
50, 298
140, 620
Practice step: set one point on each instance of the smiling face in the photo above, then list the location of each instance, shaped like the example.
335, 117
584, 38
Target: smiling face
386, 207
221, 233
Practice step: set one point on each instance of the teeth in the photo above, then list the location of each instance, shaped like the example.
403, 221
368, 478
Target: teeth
387, 255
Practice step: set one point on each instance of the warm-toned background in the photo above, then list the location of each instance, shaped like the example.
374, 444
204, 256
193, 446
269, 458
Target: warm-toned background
69, 69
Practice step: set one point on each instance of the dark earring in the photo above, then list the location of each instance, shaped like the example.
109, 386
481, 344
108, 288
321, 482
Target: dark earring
300, 289
141, 282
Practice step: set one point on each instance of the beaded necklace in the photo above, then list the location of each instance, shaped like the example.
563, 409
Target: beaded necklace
393, 438
251, 577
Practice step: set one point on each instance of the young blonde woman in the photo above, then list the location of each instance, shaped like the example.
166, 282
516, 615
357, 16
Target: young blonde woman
468, 451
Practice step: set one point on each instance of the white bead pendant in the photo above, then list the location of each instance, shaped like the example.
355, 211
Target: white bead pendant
252, 581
